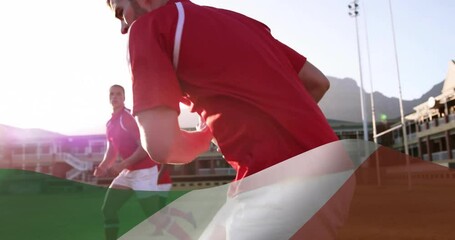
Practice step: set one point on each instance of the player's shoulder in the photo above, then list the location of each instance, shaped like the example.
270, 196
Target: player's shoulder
155, 19
126, 114
126, 119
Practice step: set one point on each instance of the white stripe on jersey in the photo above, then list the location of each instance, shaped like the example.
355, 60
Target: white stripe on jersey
178, 33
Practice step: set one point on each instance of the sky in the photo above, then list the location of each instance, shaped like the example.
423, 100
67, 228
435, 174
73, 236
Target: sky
58, 58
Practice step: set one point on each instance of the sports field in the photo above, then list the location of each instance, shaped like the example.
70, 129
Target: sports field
406, 205
397, 212
38, 206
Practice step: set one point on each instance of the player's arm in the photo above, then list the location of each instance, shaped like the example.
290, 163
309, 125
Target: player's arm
315, 82
138, 155
165, 142
109, 158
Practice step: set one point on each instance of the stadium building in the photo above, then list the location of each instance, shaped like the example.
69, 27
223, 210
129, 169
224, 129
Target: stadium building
430, 129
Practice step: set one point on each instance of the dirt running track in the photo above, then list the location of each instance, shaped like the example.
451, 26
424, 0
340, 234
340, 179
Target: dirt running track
414, 202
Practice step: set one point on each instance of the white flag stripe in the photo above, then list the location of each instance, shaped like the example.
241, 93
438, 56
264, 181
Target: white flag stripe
274, 203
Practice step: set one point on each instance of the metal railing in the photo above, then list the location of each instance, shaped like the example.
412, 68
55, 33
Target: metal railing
73, 173
77, 163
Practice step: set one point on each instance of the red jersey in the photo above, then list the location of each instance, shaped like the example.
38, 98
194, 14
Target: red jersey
165, 176
238, 77
123, 133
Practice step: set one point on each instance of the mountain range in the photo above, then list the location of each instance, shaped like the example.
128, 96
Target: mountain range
342, 102
9, 133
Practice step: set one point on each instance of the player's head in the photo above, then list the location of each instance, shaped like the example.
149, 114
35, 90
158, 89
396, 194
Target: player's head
127, 11
117, 96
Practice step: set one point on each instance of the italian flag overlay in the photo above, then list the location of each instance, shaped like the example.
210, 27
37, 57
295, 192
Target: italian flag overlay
348, 189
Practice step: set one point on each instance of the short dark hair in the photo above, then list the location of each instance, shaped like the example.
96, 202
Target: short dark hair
119, 86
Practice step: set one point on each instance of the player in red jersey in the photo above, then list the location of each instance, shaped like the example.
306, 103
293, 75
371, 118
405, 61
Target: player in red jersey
136, 170
258, 97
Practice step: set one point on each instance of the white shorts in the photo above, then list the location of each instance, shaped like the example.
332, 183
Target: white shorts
164, 187
138, 180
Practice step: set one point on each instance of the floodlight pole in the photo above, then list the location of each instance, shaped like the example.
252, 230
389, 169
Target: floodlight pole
373, 113
403, 123
353, 12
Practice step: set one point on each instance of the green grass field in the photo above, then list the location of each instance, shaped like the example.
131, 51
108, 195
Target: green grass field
42, 207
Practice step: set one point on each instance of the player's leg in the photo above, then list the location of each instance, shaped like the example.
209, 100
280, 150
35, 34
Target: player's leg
144, 183
163, 193
146, 187
117, 194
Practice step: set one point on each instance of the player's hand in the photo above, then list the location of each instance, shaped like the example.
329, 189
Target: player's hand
100, 172
116, 168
